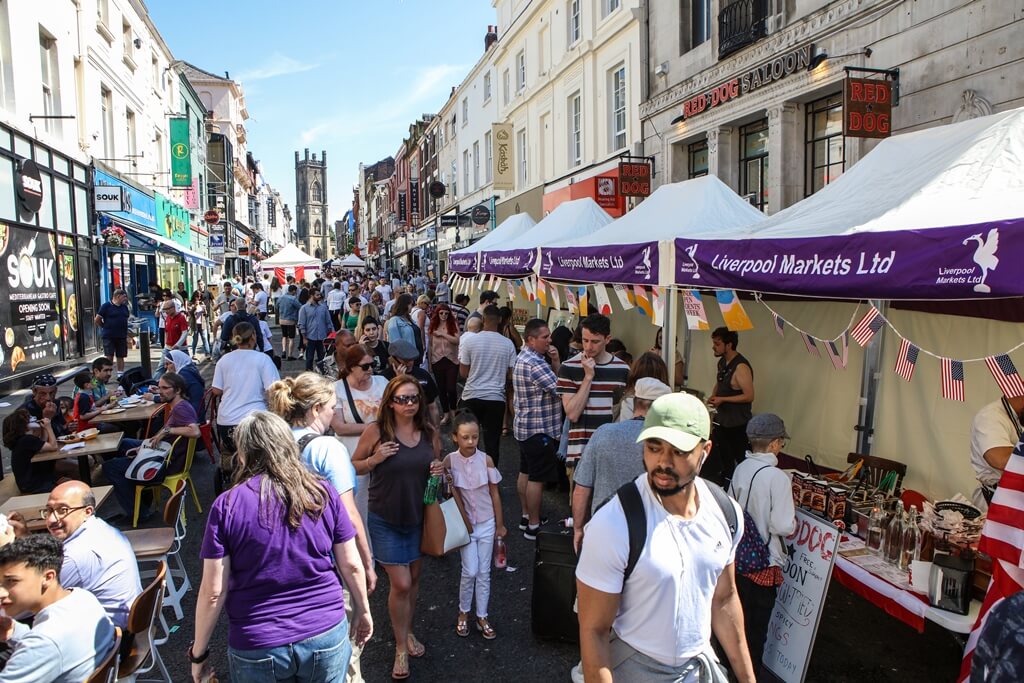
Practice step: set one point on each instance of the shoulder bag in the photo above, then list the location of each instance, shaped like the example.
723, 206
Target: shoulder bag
445, 524
149, 463
752, 554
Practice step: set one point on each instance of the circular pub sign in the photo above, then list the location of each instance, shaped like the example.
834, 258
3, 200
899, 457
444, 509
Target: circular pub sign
212, 216
480, 214
29, 186
436, 189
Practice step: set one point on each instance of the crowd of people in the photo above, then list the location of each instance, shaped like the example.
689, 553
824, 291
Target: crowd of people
321, 478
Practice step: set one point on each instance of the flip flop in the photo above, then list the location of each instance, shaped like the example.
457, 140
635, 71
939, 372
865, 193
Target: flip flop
416, 648
400, 670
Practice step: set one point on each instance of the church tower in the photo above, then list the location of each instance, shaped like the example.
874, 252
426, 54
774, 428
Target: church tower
312, 226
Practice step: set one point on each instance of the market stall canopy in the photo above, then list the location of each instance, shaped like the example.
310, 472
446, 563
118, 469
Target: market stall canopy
637, 248
465, 260
925, 215
350, 261
568, 222
290, 256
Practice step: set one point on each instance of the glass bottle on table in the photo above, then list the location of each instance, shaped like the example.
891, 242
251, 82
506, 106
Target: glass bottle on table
911, 547
876, 524
894, 535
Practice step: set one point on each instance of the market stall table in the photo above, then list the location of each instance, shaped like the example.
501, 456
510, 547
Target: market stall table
880, 584
30, 505
104, 443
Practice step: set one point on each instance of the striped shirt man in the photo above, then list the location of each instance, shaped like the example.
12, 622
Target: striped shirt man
605, 391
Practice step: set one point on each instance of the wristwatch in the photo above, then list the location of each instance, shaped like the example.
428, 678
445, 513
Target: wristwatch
200, 659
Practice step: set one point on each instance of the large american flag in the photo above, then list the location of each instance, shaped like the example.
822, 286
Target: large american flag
952, 380
1002, 538
872, 322
1005, 374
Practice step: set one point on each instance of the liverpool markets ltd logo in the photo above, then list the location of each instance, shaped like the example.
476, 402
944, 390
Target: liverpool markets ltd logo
548, 263
692, 268
644, 269
984, 256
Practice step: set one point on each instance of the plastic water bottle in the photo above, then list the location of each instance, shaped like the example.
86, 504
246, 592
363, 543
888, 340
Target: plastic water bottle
500, 553
430, 493
911, 546
875, 523
894, 536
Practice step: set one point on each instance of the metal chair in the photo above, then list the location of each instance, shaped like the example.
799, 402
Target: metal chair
171, 481
163, 544
106, 672
137, 646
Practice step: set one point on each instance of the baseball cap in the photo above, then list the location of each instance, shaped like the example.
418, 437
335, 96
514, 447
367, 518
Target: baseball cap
680, 419
649, 388
403, 350
44, 380
766, 426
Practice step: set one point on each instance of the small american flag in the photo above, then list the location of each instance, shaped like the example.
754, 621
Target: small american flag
952, 380
812, 348
780, 324
872, 322
906, 360
1005, 374
837, 351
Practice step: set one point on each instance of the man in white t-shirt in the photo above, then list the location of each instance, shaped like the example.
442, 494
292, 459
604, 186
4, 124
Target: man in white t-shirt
656, 624
485, 360
996, 429
260, 298
385, 290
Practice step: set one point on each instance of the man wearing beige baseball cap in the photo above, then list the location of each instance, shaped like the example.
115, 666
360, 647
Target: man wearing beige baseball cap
647, 610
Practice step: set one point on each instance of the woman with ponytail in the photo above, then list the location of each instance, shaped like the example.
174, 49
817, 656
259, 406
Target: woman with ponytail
240, 379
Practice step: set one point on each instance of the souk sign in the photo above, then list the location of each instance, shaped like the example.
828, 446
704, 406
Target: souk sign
758, 77
959, 262
626, 263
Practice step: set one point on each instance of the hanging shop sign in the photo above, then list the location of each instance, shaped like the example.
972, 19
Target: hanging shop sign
635, 178
29, 187
212, 216
414, 199
480, 215
401, 208
437, 189
108, 198
758, 77
138, 207
503, 169
172, 221
30, 324
867, 108
181, 152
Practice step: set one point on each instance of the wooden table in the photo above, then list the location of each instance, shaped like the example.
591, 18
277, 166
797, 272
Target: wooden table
30, 505
104, 443
133, 414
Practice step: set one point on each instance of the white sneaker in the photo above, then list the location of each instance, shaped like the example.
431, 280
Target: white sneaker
576, 673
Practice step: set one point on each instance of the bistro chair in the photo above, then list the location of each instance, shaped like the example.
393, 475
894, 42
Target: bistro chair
206, 431
137, 646
163, 544
106, 672
875, 469
162, 410
171, 481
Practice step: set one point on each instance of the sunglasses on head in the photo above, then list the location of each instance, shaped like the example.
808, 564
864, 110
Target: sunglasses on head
408, 400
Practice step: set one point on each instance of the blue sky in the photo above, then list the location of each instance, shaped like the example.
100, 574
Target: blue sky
345, 76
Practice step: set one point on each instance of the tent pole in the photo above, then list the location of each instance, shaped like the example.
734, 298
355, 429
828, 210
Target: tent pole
668, 337
865, 426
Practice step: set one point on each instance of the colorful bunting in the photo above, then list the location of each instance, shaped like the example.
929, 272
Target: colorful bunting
693, 307
658, 298
1005, 375
604, 305
570, 299
952, 379
511, 289
584, 301
870, 324
625, 300
531, 293
542, 294
812, 347
642, 302
736, 318
556, 298
906, 360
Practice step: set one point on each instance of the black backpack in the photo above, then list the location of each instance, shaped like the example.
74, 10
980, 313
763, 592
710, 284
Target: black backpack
636, 519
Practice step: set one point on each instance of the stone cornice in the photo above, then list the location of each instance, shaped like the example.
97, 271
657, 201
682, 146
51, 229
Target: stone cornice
823, 22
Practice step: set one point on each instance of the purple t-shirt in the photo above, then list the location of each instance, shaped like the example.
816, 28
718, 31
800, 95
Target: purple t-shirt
283, 586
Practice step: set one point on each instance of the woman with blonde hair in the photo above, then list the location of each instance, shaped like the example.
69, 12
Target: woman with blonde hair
400, 451
369, 310
274, 547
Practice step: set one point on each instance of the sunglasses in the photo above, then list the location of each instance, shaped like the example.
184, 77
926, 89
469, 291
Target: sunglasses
408, 400
365, 367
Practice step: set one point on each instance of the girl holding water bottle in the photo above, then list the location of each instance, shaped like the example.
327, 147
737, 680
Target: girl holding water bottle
476, 478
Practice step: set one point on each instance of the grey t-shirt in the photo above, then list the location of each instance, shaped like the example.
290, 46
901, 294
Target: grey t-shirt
611, 458
489, 356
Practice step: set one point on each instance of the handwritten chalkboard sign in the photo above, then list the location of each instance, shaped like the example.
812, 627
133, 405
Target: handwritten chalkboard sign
801, 597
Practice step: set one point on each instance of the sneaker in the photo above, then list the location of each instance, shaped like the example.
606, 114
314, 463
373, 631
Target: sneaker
576, 673
531, 533
524, 522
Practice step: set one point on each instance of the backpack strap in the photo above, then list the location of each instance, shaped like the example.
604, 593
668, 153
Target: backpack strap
636, 523
304, 441
724, 502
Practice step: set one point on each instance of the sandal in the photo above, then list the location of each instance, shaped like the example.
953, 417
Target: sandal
416, 648
400, 670
462, 625
484, 627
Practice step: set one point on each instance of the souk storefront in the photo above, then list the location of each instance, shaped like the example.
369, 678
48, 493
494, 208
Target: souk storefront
46, 258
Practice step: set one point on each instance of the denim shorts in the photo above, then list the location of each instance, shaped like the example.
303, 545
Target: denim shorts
393, 543
321, 658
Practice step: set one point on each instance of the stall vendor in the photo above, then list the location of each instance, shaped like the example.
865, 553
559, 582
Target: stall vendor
996, 429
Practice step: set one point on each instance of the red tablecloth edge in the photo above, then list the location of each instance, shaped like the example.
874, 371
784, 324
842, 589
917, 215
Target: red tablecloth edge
886, 604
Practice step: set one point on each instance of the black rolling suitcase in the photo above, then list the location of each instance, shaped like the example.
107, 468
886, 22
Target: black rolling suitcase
554, 588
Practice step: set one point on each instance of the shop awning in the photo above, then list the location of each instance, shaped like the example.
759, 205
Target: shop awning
160, 242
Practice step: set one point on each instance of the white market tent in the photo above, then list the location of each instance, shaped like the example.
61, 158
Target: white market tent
568, 222
465, 260
943, 210
290, 256
350, 261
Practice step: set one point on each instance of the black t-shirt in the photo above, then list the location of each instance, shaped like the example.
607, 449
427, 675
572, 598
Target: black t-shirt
60, 427
32, 477
424, 378
380, 357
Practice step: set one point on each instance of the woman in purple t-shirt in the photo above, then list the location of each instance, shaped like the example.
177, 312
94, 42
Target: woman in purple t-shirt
273, 547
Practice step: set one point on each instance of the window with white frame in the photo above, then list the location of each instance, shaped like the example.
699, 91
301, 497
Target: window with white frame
455, 179
476, 165
574, 24
465, 169
465, 110
488, 170
6, 67
103, 12
521, 153
520, 71
130, 131
107, 111
574, 113
128, 44
617, 101
505, 87
50, 80
487, 87
155, 72
609, 6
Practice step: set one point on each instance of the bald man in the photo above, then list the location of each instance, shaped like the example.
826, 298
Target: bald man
97, 557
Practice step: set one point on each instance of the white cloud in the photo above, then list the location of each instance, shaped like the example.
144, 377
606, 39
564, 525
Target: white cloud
276, 65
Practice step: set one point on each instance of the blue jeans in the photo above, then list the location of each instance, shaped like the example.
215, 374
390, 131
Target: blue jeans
319, 659
314, 352
200, 333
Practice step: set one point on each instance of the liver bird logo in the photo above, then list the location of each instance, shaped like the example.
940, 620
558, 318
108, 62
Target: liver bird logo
985, 256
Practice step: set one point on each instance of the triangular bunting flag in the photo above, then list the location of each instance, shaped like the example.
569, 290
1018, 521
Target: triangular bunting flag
531, 293
480, 285
736, 318
812, 347
511, 289
570, 299
556, 298
604, 305
693, 306
542, 293
625, 300
642, 302
658, 301
584, 301
522, 290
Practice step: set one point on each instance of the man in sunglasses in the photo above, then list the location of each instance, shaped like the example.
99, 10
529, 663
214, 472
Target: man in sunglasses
97, 557
403, 360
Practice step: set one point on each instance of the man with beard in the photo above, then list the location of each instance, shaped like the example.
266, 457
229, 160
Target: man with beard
647, 610
733, 399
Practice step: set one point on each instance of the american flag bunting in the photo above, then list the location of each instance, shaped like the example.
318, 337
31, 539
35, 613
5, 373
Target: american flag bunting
812, 347
906, 360
867, 327
837, 352
952, 380
1005, 375
780, 324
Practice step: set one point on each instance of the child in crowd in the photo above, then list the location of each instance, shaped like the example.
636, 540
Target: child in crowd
476, 478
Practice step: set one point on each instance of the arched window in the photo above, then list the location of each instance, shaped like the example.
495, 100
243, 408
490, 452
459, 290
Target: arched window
317, 192
317, 254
